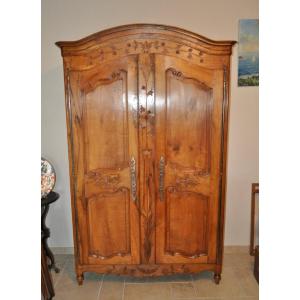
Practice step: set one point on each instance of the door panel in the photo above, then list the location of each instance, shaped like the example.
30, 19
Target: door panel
188, 148
111, 238
106, 112
188, 126
186, 220
108, 135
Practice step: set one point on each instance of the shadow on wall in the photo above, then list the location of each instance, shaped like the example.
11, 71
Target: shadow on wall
55, 148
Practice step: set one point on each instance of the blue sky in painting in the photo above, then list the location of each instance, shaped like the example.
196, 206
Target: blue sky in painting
248, 36
248, 48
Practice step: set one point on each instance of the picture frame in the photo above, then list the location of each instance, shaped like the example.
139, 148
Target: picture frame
248, 53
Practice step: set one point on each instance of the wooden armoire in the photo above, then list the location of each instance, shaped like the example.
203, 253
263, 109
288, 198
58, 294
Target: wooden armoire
147, 114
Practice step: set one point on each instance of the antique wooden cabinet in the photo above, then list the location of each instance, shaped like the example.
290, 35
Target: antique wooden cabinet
147, 110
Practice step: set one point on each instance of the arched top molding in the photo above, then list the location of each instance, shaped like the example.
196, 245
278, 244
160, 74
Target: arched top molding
146, 32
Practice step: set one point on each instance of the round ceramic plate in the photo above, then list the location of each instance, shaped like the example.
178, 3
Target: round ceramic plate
48, 177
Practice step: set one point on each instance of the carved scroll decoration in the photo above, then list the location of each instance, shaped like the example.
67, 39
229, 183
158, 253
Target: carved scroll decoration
96, 254
186, 181
147, 269
95, 81
186, 255
107, 181
179, 75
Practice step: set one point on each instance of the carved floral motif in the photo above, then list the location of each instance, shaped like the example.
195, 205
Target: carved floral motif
116, 75
189, 180
148, 46
97, 254
104, 180
186, 181
147, 125
146, 116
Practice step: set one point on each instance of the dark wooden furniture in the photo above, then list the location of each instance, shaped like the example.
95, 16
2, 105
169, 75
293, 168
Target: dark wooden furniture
46, 279
47, 258
254, 192
256, 264
51, 197
147, 113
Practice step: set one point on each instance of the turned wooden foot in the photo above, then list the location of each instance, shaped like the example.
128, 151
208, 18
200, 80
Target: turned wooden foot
217, 278
80, 278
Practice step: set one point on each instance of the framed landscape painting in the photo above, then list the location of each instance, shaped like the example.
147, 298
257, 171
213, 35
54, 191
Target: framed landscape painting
248, 66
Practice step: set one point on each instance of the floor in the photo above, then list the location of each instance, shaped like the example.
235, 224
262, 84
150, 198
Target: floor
238, 283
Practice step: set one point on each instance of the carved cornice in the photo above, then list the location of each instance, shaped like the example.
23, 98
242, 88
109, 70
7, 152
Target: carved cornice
144, 30
137, 39
140, 46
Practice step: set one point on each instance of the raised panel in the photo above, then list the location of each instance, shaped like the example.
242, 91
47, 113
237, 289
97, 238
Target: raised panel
107, 218
188, 121
187, 128
106, 122
109, 224
186, 224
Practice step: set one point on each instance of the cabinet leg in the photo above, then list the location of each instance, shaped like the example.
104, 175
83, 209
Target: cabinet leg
80, 278
217, 278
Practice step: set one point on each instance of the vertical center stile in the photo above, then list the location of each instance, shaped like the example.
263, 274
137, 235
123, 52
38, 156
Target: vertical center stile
147, 155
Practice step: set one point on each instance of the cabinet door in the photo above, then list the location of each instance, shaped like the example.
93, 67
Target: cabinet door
105, 152
188, 143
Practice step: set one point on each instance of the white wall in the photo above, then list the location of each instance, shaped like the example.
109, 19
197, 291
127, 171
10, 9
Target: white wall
216, 19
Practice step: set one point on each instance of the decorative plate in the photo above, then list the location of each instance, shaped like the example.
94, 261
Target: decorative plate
48, 177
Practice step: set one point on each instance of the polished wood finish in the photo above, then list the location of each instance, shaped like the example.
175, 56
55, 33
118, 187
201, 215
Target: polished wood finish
146, 109
188, 130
